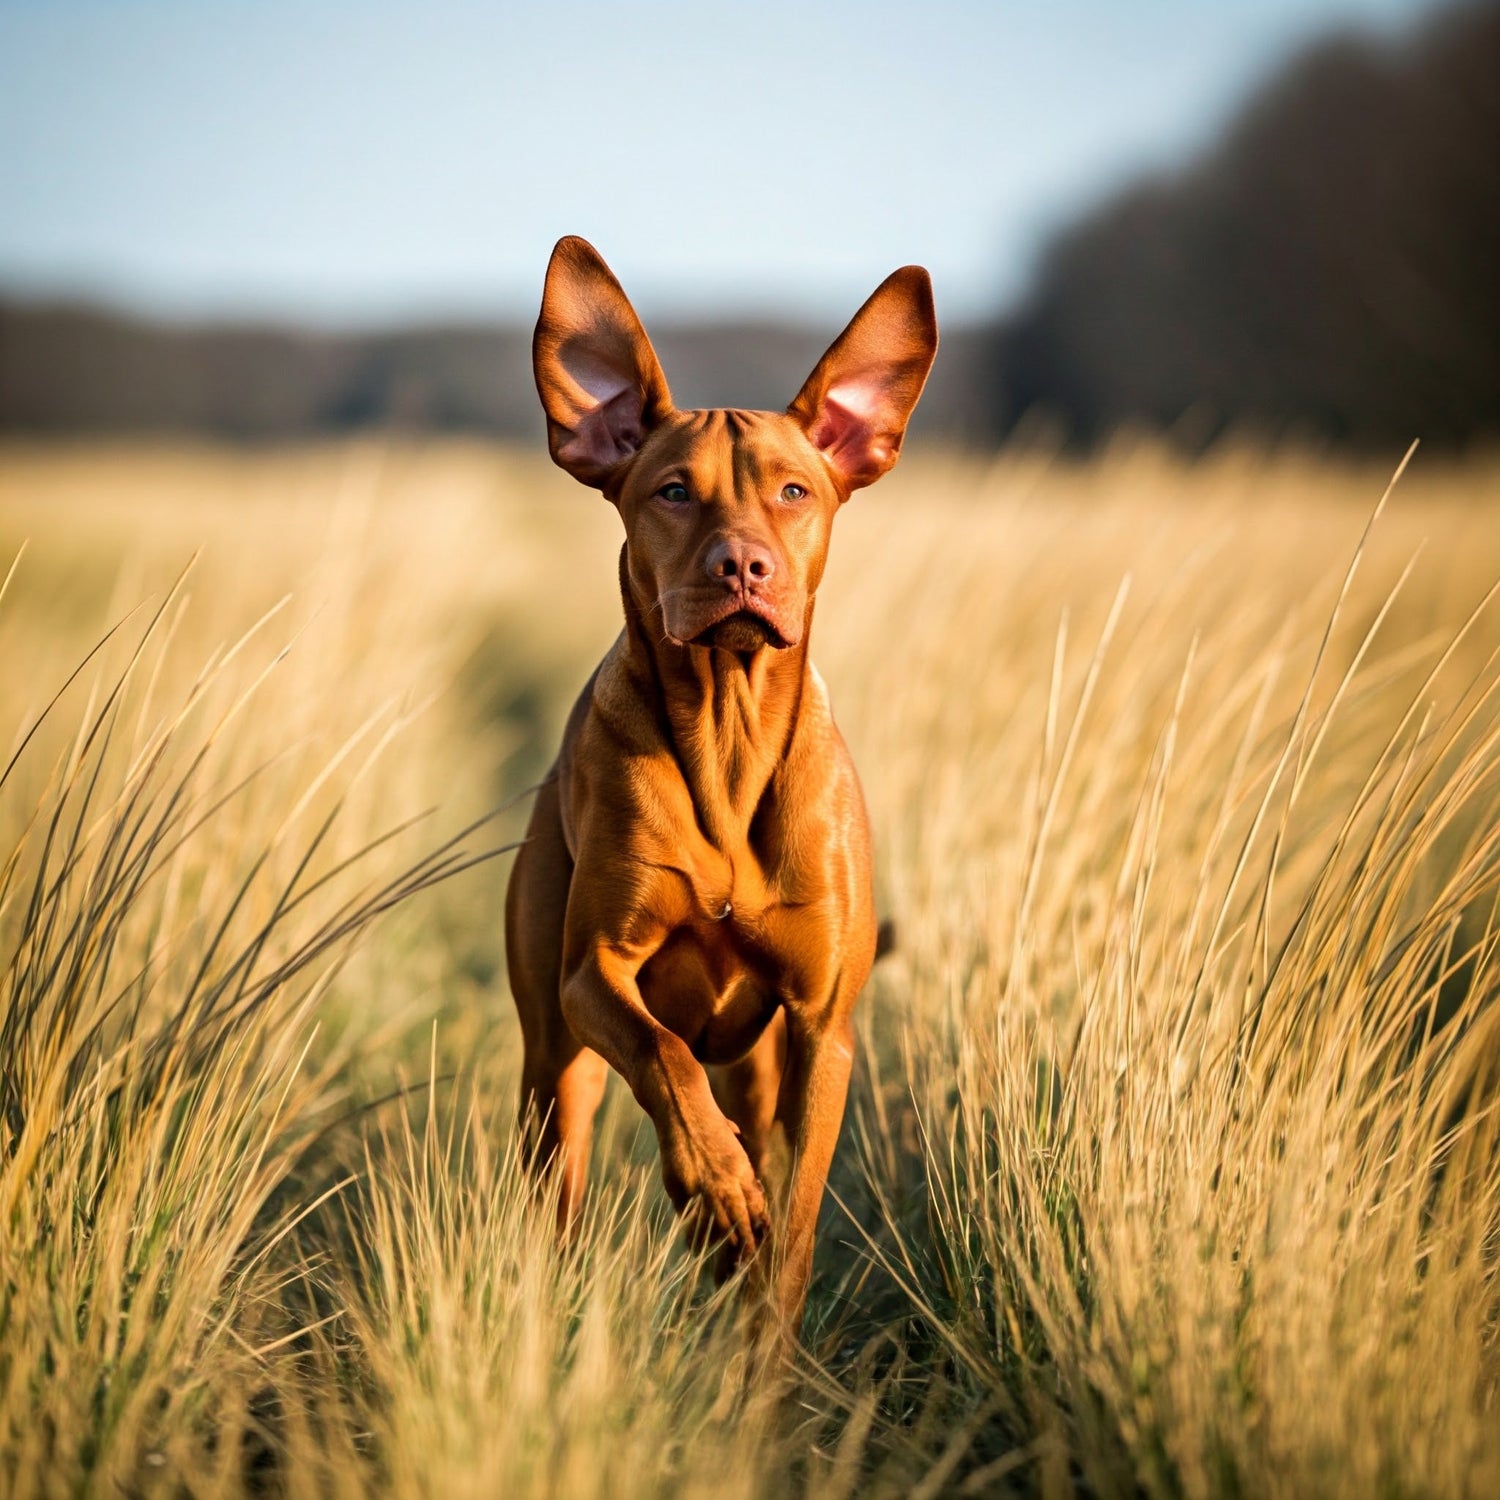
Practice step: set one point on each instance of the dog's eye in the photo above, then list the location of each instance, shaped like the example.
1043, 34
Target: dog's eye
673, 494
793, 492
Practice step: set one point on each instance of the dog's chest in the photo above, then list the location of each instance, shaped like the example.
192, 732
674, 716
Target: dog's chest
717, 979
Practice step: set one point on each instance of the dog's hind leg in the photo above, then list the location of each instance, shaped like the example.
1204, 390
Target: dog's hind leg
558, 1106
562, 1082
747, 1090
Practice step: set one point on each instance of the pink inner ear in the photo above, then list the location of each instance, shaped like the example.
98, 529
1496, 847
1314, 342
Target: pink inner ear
610, 432
848, 429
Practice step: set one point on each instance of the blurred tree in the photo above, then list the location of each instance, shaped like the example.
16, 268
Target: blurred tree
1331, 269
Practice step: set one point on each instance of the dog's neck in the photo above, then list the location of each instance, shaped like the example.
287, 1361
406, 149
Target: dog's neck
729, 716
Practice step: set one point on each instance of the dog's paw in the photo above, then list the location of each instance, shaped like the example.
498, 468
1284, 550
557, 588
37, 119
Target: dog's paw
714, 1188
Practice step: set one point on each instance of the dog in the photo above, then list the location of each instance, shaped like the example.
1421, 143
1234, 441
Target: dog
692, 905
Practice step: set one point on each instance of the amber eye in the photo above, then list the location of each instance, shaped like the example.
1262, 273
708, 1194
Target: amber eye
793, 492
674, 493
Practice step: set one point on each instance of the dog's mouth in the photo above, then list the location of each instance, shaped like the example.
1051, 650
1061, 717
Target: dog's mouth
744, 630
737, 624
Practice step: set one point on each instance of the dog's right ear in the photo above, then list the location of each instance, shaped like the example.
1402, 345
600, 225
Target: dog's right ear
855, 405
596, 372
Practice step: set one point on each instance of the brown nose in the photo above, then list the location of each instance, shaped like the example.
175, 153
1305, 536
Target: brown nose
735, 558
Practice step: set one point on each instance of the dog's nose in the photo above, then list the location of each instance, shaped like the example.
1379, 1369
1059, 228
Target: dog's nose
736, 558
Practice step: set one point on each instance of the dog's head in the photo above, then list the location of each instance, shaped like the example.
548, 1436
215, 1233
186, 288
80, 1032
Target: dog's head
727, 513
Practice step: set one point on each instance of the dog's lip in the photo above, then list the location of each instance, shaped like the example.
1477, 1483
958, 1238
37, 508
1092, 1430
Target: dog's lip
774, 637
753, 605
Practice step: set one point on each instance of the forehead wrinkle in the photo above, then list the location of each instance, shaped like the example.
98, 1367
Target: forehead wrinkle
673, 442
696, 444
750, 468
713, 453
721, 451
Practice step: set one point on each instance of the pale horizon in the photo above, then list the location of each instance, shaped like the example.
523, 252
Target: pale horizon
352, 165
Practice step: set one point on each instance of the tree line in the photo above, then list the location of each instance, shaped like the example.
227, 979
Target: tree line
1326, 271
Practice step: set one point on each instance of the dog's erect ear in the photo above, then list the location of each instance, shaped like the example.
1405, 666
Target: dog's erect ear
596, 372
856, 404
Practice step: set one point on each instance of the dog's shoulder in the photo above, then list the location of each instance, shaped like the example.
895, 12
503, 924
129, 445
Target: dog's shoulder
618, 710
615, 750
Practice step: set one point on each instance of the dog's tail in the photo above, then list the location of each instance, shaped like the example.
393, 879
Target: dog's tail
885, 938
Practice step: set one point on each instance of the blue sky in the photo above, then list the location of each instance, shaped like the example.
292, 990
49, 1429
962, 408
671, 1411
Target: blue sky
368, 160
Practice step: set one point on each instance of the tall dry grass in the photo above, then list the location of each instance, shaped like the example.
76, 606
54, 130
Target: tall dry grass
1171, 1166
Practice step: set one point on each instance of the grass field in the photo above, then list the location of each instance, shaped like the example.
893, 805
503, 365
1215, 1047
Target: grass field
1172, 1164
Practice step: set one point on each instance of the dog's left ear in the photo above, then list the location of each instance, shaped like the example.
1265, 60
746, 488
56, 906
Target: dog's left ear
857, 402
598, 376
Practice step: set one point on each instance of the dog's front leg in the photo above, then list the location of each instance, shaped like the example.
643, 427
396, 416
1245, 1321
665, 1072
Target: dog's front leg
707, 1174
810, 1107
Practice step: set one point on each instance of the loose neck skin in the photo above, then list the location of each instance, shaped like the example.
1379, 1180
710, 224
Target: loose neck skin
729, 716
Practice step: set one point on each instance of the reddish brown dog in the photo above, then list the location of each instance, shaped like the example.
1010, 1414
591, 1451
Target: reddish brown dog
692, 905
